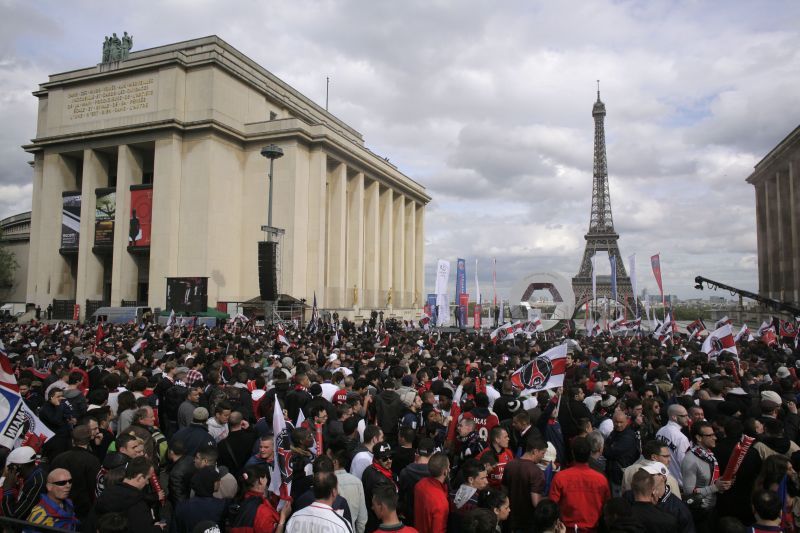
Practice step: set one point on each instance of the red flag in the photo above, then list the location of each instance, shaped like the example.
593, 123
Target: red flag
720, 340
695, 328
98, 338
788, 329
655, 262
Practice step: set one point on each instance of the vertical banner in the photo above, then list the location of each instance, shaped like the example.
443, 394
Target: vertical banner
104, 214
632, 270
476, 316
430, 307
613, 260
442, 302
594, 280
463, 308
494, 282
655, 262
141, 215
70, 219
461, 288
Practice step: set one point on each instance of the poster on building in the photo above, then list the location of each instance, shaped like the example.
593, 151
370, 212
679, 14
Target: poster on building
70, 220
187, 295
141, 215
104, 213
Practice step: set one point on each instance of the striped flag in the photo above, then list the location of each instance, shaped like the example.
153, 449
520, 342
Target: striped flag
695, 328
19, 425
281, 478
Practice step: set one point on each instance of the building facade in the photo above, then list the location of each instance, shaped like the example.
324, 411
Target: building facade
776, 179
15, 239
150, 168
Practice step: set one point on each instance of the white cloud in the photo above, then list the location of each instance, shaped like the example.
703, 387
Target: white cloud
490, 108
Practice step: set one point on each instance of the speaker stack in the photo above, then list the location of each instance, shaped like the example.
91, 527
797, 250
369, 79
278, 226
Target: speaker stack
267, 270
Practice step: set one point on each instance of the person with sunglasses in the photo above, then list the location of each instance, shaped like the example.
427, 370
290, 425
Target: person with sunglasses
701, 476
55, 509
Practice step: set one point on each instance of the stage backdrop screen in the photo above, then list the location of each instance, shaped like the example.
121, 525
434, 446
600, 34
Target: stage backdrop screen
188, 295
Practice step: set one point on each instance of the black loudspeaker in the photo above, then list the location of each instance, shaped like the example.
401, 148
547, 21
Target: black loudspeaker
267, 270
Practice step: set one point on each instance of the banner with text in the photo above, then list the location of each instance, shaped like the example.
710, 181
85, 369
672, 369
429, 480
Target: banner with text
461, 288
104, 214
70, 219
141, 216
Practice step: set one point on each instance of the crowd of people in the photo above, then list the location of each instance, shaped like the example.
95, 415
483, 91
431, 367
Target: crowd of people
391, 427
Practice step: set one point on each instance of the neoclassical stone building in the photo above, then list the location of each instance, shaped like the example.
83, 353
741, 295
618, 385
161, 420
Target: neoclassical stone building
776, 179
150, 168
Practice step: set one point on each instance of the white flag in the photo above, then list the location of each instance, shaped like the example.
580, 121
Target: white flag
632, 268
281, 484
477, 285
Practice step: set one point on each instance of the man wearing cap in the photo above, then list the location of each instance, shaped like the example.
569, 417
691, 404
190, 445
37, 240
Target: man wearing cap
412, 474
54, 508
21, 471
83, 466
196, 434
376, 474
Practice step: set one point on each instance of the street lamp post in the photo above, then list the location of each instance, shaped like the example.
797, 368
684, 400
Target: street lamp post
271, 152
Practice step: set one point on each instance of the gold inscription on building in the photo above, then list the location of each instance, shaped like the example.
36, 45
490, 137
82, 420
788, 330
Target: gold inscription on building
105, 101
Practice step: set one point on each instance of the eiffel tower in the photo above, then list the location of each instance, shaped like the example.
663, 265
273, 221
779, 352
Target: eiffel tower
601, 236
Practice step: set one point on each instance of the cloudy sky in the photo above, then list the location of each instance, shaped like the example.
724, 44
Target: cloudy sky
488, 105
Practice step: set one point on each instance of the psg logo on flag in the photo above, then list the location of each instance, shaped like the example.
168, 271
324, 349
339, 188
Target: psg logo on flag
534, 375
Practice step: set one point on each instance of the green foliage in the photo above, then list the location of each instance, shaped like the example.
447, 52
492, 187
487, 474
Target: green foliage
8, 265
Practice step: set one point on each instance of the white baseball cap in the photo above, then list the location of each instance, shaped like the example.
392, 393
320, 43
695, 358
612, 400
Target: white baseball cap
21, 456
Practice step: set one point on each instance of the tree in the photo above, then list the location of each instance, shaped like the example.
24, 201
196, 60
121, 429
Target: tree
8, 265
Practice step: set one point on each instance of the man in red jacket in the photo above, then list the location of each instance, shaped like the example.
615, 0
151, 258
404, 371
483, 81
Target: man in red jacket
580, 491
431, 505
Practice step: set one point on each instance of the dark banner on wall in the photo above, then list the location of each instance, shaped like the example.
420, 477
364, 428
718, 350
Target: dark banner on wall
141, 215
105, 211
70, 220
188, 295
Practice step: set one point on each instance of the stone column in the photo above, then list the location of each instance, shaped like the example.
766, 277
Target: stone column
785, 274
772, 235
337, 236
372, 243
164, 232
387, 245
90, 266
52, 275
399, 246
125, 274
794, 213
419, 256
317, 209
34, 277
761, 230
410, 250
355, 242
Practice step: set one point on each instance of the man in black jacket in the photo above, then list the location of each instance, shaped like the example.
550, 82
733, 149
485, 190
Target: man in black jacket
377, 474
237, 447
83, 465
647, 489
127, 498
622, 449
388, 408
180, 475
